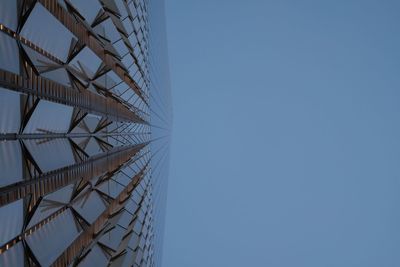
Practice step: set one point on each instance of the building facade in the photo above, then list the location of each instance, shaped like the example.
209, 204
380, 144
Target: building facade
85, 116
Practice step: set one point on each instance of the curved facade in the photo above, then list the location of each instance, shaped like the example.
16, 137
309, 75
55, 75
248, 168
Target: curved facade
85, 118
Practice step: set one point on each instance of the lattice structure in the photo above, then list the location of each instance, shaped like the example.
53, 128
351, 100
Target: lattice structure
84, 132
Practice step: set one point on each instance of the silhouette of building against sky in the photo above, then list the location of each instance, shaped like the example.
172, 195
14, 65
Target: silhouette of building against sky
85, 115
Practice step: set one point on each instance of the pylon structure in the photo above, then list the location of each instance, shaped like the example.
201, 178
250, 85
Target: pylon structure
85, 116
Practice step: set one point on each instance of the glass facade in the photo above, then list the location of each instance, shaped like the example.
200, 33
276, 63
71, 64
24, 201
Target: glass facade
85, 118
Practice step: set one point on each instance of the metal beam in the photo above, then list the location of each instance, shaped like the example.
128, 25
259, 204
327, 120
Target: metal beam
48, 55
54, 180
49, 90
86, 237
29, 231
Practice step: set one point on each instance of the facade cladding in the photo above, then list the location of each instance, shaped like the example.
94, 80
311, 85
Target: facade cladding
85, 115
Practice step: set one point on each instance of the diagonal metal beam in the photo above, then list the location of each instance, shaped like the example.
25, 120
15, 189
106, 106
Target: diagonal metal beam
29, 231
86, 237
55, 92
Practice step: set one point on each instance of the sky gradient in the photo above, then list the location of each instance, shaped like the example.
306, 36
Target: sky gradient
286, 137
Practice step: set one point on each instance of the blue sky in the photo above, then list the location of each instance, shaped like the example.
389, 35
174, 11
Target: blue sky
286, 143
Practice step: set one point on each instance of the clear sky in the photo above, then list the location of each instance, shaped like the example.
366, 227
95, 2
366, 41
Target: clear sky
286, 137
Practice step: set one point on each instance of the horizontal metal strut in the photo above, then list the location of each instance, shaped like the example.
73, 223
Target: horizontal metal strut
53, 180
55, 92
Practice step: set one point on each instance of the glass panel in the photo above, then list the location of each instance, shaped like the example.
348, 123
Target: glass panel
91, 122
45, 209
49, 117
89, 205
108, 30
125, 219
95, 257
33, 30
88, 9
59, 75
10, 162
51, 154
14, 257
111, 188
92, 147
9, 54
86, 59
11, 221
62, 196
48, 242
9, 14
122, 178
112, 238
